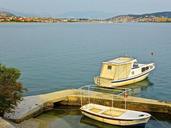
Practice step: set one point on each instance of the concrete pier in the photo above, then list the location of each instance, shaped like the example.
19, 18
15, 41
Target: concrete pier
31, 106
34, 105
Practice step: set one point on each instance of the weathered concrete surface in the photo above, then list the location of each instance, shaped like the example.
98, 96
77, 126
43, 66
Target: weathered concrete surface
33, 105
5, 124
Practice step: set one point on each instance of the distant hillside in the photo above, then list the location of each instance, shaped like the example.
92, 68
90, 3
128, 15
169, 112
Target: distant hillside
149, 17
157, 14
5, 14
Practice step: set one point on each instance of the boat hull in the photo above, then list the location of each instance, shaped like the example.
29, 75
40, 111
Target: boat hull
141, 122
111, 84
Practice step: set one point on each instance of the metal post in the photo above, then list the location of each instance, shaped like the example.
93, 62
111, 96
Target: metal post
112, 100
125, 96
125, 102
89, 94
81, 97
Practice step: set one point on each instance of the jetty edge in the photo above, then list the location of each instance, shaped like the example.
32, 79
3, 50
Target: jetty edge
32, 106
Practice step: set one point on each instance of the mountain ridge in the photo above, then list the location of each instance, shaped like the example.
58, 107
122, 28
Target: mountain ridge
6, 13
165, 14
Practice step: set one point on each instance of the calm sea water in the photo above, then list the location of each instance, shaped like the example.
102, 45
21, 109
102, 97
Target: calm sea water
71, 117
58, 56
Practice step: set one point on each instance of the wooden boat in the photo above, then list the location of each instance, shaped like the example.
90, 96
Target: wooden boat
122, 71
115, 116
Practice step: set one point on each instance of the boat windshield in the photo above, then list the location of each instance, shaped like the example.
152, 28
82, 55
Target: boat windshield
135, 65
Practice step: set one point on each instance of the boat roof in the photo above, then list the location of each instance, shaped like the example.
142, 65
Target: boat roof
121, 60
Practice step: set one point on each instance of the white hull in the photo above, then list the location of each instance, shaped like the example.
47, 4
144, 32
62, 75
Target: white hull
111, 84
121, 120
117, 122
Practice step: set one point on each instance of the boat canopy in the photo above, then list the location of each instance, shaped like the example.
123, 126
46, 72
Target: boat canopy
117, 69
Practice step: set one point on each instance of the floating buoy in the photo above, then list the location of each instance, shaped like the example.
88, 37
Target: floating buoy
152, 53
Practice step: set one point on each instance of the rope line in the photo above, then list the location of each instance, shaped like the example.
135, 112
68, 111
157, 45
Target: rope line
163, 125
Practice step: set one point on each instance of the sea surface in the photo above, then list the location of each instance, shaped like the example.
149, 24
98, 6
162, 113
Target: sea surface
60, 56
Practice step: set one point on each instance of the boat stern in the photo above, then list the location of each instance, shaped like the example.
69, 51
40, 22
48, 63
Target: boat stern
103, 82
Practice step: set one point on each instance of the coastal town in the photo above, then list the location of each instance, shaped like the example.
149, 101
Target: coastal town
40, 19
155, 17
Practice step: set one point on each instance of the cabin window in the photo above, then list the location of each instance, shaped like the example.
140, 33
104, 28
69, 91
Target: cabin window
109, 67
143, 69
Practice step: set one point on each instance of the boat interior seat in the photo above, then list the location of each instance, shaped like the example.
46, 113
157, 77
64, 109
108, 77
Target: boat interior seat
112, 112
95, 110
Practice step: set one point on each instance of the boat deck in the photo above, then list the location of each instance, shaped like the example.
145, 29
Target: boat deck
107, 112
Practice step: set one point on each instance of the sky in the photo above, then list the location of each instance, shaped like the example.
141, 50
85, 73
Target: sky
84, 8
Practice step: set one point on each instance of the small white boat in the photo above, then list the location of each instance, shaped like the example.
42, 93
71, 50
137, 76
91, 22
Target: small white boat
115, 116
122, 71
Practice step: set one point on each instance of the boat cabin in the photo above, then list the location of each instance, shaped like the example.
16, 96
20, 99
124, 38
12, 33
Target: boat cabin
118, 68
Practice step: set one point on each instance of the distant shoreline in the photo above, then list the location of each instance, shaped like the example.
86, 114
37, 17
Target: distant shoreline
85, 22
158, 17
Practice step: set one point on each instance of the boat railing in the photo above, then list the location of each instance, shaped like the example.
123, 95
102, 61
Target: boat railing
92, 91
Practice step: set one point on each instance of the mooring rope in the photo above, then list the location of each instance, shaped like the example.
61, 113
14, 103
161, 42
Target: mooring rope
163, 125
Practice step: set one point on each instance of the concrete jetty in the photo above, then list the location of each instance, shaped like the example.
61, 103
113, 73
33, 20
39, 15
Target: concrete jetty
31, 106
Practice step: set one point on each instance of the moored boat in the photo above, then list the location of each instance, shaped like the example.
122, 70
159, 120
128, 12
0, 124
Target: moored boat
115, 116
122, 71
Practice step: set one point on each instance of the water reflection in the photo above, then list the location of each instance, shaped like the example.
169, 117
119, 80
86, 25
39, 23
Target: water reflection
71, 117
135, 88
138, 87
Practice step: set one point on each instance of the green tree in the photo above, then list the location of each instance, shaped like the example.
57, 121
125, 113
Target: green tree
11, 91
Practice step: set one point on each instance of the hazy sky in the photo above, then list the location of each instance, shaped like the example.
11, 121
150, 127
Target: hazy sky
99, 8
